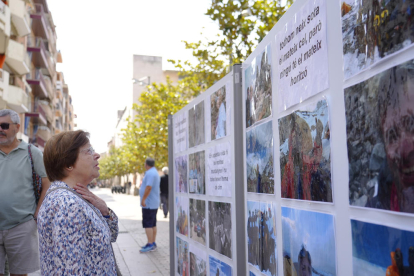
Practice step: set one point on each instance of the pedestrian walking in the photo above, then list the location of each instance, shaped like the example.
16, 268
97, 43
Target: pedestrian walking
129, 187
75, 227
18, 206
150, 200
164, 191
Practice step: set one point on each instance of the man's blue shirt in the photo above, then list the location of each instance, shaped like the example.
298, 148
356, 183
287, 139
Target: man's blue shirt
151, 179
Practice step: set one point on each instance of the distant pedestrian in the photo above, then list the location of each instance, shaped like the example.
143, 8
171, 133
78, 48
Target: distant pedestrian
129, 187
76, 228
18, 208
150, 200
164, 191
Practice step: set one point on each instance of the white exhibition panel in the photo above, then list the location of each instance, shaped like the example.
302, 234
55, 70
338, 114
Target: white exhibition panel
328, 83
294, 88
219, 170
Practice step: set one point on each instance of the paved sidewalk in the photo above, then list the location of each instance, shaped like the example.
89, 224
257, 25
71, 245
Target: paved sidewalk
132, 236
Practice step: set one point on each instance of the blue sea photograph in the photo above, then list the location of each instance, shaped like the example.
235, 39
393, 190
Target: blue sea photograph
308, 243
381, 250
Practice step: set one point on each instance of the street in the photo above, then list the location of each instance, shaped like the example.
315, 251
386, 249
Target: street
132, 236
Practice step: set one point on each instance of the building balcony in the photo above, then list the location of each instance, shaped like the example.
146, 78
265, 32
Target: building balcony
4, 80
20, 17
49, 86
38, 115
44, 133
51, 43
58, 110
38, 141
39, 22
66, 89
37, 47
17, 99
48, 110
17, 58
59, 94
40, 55
38, 84
58, 128
4, 86
43, 3
4, 27
59, 85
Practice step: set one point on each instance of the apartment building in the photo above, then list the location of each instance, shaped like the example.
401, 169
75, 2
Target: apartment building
29, 83
64, 116
147, 70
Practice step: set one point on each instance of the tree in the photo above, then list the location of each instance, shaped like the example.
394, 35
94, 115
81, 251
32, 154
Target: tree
115, 164
242, 24
147, 134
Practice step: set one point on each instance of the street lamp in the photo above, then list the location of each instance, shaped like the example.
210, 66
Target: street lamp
142, 81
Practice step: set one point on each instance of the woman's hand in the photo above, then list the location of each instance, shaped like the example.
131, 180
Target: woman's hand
93, 199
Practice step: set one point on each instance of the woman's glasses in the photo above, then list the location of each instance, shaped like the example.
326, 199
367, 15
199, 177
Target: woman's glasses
89, 150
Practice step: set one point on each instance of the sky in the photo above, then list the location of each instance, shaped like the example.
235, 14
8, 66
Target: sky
313, 230
224, 269
98, 40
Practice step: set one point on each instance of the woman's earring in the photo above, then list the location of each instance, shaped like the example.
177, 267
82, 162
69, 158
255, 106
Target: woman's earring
70, 168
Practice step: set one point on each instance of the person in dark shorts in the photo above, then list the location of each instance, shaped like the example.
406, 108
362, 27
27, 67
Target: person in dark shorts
164, 191
150, 200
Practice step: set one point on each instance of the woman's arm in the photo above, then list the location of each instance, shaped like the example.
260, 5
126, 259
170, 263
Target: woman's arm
100, 204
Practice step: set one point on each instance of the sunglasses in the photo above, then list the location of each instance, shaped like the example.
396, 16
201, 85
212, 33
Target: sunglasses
5, 126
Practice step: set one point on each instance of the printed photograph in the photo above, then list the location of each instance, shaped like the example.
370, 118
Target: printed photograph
261, 237
219, 268
219, 214
305, 154
181, 215
198, 220
218, 113
258, 87
254, 234
181, 174
197, 173
196, 125
182, 257
373, 30
198, 266
259, 159
380, 131
308, 243
381, 250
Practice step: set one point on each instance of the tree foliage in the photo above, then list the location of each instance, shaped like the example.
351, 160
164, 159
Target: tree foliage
115, 164
147, 134
242, 25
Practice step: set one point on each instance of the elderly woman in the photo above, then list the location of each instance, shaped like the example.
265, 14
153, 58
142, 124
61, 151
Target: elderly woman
75, 227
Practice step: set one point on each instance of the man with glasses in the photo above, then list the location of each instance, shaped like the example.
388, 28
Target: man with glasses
18, 209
